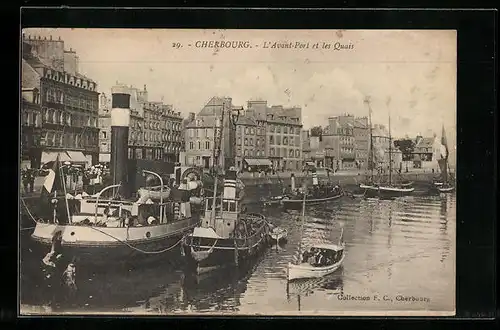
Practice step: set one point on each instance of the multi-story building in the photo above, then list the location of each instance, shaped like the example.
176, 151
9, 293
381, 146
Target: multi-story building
362, 141
339, 140
154, 132
200, 135
31, 127
426, 152
306, 145
283, 127
68, 101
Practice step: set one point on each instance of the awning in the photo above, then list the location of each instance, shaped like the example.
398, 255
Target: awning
258, 162
50, 156
77, 156
104, 158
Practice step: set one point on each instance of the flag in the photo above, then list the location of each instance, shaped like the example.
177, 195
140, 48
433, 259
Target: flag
52, 180
444, 142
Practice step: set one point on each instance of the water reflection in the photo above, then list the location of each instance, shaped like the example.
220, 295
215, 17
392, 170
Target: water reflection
403, 246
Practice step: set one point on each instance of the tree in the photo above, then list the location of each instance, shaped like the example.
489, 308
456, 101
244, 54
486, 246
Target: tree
316, 131
407, 146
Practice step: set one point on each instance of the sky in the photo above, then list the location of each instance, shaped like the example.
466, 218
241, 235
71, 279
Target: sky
409, 74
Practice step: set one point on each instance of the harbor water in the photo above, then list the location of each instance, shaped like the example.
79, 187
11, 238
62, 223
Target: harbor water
400, 256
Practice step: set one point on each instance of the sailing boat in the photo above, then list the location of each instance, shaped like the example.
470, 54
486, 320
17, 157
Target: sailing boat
371, 164
388, 190
332, 253
226, 236
446, 185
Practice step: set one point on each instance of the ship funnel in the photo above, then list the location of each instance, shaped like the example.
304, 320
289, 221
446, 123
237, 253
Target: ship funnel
120, 121
230, 184
315, 178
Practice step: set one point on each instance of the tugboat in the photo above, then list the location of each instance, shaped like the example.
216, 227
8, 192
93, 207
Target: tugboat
112, 230
227, 235
317, 194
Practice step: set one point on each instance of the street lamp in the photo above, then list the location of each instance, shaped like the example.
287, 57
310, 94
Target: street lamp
161, 191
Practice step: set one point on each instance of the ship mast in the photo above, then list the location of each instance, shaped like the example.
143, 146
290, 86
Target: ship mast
390, 150
218, 133
370, 152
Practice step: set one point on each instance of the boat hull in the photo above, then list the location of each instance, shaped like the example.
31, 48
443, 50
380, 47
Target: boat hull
296, 204
222, 252
442, 189
386, 192
308, 271
108, 246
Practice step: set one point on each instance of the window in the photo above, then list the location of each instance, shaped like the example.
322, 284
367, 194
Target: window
271, 128
278, 140
285, 130
191, 145
104, 134
239, 141
252, 131
251, 141
207, 145
297, 153
245, 153
271, 151
232, 207
246, 141
290, 153
278, 129
285, 141
271, 140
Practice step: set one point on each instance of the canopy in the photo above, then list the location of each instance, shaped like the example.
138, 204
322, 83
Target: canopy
50, 156
258, 162
104, 158
77, 156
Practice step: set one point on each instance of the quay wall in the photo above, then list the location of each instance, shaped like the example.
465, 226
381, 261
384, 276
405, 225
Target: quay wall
348, 181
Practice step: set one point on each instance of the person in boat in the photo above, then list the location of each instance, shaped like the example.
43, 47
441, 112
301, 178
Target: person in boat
152, 221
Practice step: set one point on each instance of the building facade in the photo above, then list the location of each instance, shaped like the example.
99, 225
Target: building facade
155, 131
200, 135
68, 102
31, 128
361, 141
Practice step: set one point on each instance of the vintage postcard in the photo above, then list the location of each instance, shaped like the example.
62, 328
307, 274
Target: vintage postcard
238, 172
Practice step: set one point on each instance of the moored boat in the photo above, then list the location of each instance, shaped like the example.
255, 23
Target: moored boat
445, 188
334, 255
317, 194
226, 236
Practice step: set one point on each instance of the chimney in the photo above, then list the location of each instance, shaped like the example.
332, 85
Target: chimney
50, 38
59, 38
230, 184
120, 121
145, 89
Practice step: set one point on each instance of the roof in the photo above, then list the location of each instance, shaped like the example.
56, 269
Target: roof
213, 107
206, 122
258, 161
425, 143
30, 77
247, 121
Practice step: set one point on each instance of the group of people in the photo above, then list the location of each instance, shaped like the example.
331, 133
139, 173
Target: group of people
320, 257
28, 176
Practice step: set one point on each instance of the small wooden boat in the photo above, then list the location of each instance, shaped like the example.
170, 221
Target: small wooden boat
153, 193
273, 200
445, 188
438, 183
278, 234
295, 203
305, 269
387, 191
407, 184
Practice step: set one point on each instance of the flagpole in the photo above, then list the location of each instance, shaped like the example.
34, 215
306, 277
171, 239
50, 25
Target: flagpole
65, 197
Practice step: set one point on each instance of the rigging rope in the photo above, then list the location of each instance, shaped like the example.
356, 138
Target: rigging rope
137, 249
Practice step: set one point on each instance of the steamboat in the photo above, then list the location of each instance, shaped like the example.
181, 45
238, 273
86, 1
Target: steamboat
318, 193
227, 235
112, 227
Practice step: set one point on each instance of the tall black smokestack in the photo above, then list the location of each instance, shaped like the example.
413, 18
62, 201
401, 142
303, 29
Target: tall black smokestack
120, 120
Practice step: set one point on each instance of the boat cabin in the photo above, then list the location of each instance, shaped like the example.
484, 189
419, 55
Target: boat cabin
323, 255
223, 213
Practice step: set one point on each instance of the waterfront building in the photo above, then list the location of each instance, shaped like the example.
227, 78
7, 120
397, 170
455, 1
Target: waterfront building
283, 128
339, 139
200, 136
361, 141
426, 152
68, 103
31, 128
155, 130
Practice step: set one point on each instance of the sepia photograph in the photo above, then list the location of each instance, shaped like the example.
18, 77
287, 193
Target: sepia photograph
237, 172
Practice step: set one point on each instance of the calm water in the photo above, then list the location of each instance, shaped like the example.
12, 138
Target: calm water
394, 248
